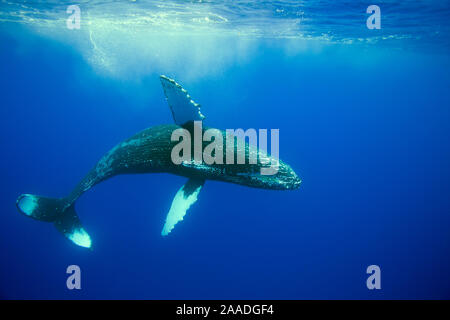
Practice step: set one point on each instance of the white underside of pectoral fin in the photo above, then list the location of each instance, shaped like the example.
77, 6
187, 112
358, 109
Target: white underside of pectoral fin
184, 199
183, 108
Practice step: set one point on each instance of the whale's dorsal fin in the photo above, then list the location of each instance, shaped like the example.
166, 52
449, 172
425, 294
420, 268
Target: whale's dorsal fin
183, 108
185, 197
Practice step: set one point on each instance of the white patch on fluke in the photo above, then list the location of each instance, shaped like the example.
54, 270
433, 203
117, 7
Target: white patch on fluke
180, 204
28, 203
81, 238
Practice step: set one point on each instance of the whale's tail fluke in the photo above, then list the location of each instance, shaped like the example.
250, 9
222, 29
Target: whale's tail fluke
57, 211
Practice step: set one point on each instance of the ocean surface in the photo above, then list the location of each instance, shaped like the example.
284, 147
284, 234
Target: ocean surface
364, 120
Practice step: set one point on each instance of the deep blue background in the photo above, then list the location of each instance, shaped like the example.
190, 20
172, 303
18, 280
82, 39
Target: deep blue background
366, 129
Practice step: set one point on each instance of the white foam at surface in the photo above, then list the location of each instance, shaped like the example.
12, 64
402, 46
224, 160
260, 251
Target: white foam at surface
130, 40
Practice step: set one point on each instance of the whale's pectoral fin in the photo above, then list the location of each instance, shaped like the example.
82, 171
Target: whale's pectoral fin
183, 108
185, 197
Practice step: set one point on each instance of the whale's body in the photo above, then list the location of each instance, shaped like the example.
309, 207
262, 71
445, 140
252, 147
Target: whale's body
149, 151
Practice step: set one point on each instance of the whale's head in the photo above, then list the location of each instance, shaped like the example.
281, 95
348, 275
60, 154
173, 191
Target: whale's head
287, 178
281, 177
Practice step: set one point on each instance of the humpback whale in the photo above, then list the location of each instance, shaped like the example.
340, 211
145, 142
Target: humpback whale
149, 151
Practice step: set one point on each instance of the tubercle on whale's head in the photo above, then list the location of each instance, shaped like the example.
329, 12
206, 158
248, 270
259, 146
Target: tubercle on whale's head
294, 183
286, 178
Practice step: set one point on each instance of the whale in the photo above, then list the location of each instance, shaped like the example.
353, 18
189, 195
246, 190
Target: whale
151, 151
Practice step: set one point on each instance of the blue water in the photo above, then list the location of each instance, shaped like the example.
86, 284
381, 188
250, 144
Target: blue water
363, 118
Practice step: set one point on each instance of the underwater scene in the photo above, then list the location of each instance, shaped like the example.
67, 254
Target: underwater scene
122, 123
